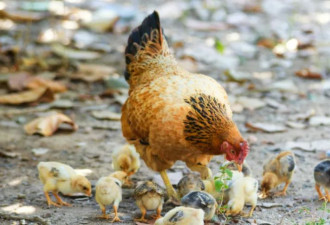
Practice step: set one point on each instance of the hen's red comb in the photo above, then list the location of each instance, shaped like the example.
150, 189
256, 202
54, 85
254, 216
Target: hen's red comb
245, 148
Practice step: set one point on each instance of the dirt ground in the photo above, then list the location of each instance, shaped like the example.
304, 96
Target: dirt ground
91, 146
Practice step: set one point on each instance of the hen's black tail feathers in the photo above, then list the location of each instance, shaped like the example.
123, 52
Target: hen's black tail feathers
149, 30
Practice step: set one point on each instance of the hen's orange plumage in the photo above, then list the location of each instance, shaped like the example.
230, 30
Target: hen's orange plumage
172, 114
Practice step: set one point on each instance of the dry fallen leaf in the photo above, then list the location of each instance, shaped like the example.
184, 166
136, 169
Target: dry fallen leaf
41, 94
308, 74
22, 16
92, 72
70, 53
266, 127
106, 115
54, 86
46, 126
18, 82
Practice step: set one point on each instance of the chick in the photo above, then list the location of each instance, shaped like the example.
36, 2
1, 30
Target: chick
322, 178
182, 216
190, 182
200, 200
58, 177
246, 170
241, 191
108, 191
149, 196
126, 159
278, 169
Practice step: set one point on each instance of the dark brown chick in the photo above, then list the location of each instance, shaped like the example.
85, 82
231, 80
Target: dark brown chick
322, 179
149, 196
190, 182
246, 170
278, 169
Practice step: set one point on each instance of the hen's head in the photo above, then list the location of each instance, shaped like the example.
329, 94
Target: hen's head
234, 152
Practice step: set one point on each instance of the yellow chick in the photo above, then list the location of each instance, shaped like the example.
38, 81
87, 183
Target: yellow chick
241, 191
108, 191
149, 196
278, 169
322, 178
182, 216
190, 182
58, 177
126, 159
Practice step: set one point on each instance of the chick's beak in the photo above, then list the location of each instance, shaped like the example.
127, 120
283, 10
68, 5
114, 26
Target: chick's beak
89, 193
239, 167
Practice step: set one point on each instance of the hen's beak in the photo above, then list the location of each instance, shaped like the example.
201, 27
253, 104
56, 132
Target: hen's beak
239, 167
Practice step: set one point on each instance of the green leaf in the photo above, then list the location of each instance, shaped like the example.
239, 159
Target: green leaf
218, 185
219, 46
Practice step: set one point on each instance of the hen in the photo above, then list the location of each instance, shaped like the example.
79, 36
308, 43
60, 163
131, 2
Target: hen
172, 114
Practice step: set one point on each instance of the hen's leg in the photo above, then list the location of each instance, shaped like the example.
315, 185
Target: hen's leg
317, 187
59, 200
49, 201
169, 188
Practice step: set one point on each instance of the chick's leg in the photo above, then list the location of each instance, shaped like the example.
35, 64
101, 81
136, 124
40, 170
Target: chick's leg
169, 188
59, 200
250, 212
49, 201
283, 192
158, 215
143, 213
327, 194
317, 187
116, 218
104, 215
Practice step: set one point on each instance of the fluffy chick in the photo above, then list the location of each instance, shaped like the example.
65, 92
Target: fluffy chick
241, 191
322, 178
126, 159
200, 200
149, 196
59, 177
278, 169
246, 170
190, 182
108, 191
182, 216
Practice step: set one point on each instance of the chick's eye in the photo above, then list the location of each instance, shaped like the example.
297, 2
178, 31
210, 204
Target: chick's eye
85, 188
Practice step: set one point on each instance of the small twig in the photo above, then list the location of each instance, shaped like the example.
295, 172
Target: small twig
10, 216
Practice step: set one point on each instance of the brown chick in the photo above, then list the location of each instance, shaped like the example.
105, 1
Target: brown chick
182, 216
149, 196
322, 179
190, 182
172, 114
278, 169
126, 159
59, 177
109, 191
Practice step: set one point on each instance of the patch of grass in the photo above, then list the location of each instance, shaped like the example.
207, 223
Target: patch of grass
321, 221
221, 185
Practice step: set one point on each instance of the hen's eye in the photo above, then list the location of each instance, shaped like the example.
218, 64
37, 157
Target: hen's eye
232, 151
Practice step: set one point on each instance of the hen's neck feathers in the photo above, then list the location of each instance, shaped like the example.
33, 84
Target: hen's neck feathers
207, 125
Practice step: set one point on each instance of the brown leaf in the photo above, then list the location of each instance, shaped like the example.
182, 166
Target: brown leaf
17, 82
22, 16
21, 81
267, 43
37, 82
37, 95
92, 72
46, 126
266, 127
307, 73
